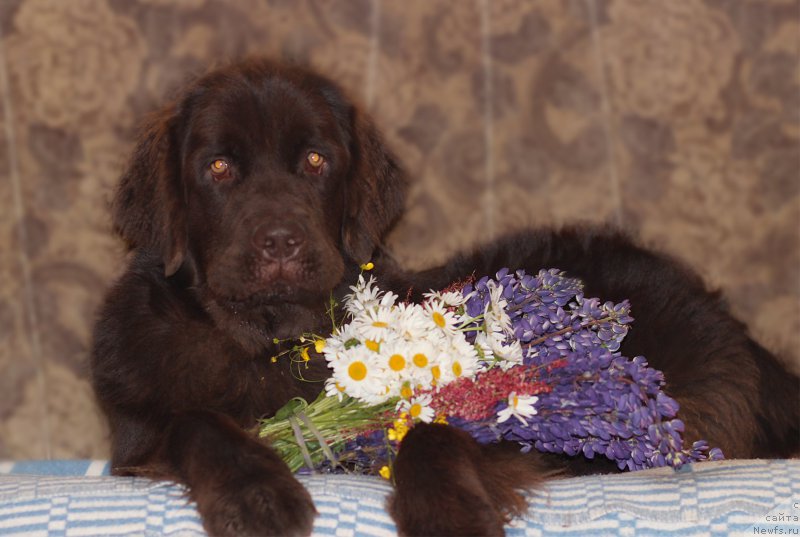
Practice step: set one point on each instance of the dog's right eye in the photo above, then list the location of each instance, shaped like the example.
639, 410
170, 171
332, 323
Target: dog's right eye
315, 163
220, 169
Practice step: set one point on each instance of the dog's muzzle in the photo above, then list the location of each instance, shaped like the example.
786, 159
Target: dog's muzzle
279, 241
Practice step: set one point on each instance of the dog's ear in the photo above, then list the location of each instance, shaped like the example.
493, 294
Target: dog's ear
375, 193
148, 210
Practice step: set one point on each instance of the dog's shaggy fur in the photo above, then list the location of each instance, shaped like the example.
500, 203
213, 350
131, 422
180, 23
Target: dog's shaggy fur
254, 197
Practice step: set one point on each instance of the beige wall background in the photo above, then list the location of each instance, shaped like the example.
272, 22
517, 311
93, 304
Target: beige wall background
677, 119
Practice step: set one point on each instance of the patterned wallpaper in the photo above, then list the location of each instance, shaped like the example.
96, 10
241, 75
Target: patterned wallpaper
678, 120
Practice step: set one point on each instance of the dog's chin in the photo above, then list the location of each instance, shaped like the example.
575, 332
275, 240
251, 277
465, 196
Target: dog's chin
290, 282
277, 293
282, 293
273, 284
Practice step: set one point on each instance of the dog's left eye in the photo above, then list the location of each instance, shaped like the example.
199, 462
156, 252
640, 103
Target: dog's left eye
315, 163
220, 169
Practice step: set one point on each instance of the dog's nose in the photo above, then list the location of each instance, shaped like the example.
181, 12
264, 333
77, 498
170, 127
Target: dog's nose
279, 241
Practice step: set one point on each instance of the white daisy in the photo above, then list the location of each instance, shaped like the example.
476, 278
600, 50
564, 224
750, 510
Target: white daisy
447, 299
497, 350
421, 355
440, 317
520, 407
412, 323
396, 358
365, 295
482, 341
440, 373
346, 337
462, 359
419, 407
334, 389
388, 300
495, 316
376, 323
358, 372
396, 366
510, 354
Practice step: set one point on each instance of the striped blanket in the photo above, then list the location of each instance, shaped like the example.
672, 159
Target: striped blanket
748, 497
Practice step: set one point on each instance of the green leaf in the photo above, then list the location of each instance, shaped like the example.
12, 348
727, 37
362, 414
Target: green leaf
352, 342
291, 408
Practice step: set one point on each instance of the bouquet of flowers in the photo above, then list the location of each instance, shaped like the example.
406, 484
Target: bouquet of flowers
517, 357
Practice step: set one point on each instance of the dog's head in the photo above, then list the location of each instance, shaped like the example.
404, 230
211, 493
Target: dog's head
262, 180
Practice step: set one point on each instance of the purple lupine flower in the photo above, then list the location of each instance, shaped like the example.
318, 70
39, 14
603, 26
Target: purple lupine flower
601, 403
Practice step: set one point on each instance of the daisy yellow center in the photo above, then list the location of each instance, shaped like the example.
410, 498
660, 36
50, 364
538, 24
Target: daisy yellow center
397, 362
415, 410
406, 392
438, 318
372, 345
436, 372
457, 369
516, 401
420, 360
380, 324
357, 371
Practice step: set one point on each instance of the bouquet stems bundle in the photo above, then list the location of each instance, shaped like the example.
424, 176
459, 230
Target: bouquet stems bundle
306, 435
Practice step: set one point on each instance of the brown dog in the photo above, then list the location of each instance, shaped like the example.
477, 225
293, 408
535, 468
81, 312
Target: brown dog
254, 197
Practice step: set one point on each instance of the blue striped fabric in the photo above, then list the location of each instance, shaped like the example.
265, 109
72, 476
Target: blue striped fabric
78, 498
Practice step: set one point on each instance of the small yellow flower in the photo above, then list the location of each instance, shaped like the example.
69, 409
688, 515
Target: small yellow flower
398, 432
304, 354
441, 419
368, 266
386, 472
273, 359
319, 344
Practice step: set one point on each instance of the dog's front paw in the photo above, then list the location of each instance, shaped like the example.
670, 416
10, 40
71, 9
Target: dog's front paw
459, 512
258, 507
438, 486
